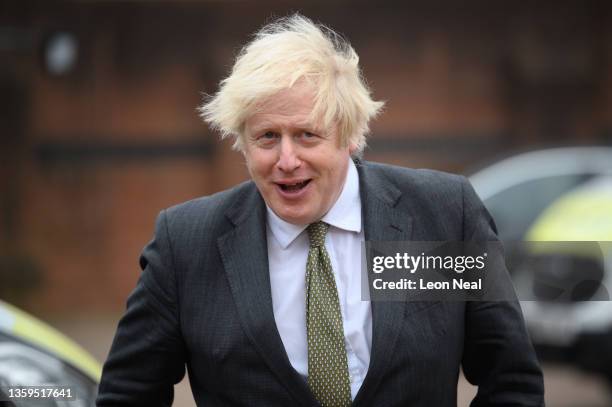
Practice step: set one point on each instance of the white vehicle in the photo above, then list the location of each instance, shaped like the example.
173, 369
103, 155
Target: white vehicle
559, 195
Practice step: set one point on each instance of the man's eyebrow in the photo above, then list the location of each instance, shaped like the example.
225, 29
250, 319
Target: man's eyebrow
260, 127
268, 125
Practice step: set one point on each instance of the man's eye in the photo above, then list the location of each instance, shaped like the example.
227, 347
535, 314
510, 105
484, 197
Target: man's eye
267, 139
308, 135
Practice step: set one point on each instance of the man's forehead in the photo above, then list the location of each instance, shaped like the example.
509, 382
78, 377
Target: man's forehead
266, 121
299, 97
295, 104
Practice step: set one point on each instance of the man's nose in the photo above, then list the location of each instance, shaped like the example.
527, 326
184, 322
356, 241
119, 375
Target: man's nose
288, 159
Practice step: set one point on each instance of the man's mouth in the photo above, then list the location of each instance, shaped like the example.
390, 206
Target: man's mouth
293, 187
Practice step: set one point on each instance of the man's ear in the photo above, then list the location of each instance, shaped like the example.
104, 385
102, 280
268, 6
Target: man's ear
242, 147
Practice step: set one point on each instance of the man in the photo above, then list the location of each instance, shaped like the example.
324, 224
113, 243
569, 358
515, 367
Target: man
257, 289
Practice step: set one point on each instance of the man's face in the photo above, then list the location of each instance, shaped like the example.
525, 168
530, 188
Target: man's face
298, 167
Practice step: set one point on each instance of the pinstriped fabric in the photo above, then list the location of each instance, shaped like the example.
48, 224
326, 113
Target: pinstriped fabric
328, 376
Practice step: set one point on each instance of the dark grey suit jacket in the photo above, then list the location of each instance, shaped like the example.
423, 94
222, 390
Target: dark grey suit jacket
203, 300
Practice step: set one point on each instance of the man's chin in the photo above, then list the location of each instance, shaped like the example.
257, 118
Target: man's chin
296, 218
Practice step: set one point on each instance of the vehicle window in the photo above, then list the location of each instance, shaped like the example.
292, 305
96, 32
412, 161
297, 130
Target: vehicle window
516, 208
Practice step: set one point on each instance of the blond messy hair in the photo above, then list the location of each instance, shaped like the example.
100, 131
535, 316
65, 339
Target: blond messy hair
282, 53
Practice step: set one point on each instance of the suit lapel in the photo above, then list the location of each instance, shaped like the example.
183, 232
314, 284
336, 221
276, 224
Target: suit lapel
383, 221
245, 257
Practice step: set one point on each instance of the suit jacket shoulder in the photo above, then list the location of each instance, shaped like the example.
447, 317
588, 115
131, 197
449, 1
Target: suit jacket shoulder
443, 206
211, 209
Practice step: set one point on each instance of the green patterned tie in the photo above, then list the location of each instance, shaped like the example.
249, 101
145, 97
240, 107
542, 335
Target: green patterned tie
328, 376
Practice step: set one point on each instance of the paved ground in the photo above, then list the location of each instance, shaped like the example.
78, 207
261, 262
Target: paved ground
565, 387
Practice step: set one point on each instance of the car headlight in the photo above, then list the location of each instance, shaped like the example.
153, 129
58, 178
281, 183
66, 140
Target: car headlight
24, 365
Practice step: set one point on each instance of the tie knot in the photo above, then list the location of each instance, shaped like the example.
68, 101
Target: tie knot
316, 233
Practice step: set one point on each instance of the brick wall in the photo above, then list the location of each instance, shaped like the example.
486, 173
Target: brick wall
89, 158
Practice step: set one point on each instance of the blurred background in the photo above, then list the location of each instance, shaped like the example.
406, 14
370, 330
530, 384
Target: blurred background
99, 132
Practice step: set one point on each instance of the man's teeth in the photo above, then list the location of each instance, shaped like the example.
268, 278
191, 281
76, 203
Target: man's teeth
294, 187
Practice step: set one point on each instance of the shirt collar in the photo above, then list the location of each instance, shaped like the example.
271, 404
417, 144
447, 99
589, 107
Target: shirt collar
344, 214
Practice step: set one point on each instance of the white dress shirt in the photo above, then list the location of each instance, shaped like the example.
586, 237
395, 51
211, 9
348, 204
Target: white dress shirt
287, 255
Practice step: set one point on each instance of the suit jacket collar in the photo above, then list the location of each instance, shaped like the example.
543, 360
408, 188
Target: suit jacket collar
244, 253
